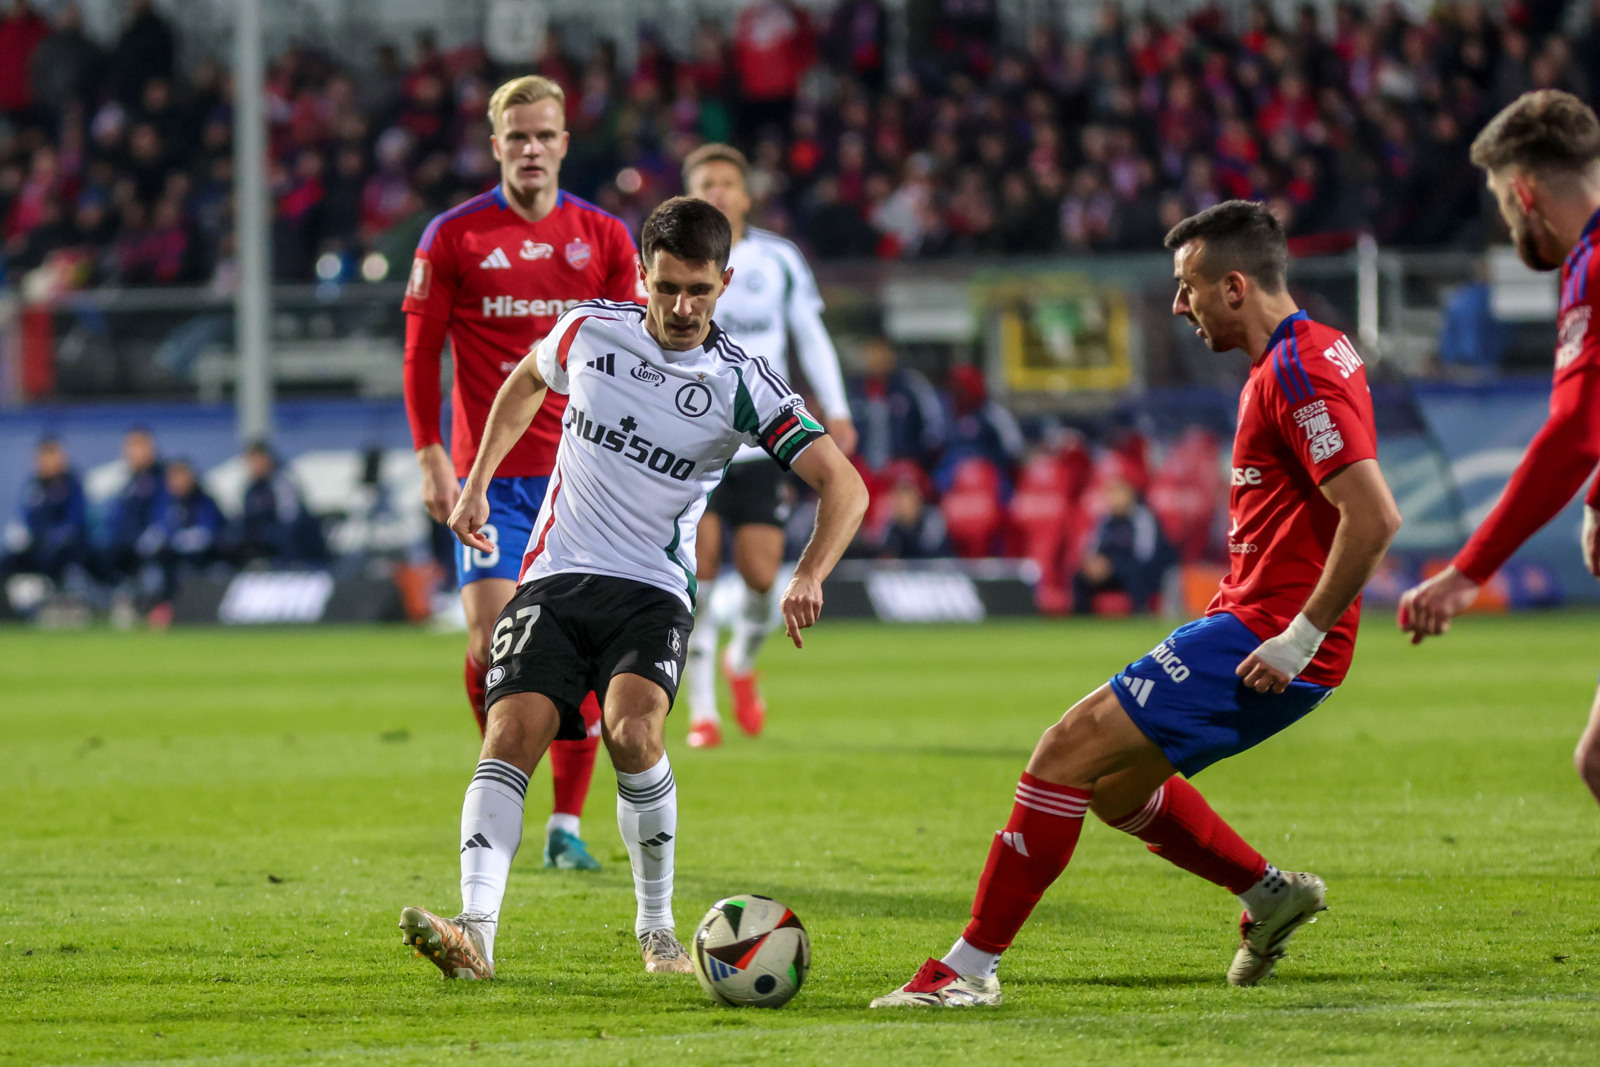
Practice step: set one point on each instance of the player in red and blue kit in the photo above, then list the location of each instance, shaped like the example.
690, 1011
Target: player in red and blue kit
1542, 157
493, 274
1312, 517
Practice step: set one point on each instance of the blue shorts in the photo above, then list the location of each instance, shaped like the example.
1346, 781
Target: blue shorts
1185, 697
513, 507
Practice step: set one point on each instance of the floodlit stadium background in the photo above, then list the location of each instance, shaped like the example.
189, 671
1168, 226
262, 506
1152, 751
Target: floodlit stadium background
982, 196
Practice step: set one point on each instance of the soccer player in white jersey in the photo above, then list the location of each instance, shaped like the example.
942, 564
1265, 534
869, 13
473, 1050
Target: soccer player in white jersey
659, 400
772, 307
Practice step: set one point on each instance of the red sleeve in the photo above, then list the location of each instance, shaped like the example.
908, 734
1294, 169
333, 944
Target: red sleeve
1326, 409
1563, 454
622, 273
425, 336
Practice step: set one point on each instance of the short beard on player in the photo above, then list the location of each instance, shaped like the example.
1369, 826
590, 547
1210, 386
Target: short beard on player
1525, 235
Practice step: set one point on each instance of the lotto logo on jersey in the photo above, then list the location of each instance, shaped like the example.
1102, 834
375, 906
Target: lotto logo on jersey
1323, 436
506, 307
1574, 328
628, 444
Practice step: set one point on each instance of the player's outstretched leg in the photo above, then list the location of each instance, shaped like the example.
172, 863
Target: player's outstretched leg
571, 771
1093, 739
757, 553
521, 727
700, 677
1177, 824
647, 814
472, 675
1587, 755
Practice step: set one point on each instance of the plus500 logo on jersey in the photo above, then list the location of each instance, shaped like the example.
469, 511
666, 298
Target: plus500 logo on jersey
626, 443
505, 307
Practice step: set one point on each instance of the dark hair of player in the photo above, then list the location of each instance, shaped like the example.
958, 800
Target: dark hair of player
715, 153
690, 229
1239, 235
1542, 131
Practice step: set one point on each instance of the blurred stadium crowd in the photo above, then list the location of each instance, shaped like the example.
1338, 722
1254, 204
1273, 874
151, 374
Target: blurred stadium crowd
115, 166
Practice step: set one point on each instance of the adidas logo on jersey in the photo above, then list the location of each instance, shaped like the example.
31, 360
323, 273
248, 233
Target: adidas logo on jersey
606, 364
496, 260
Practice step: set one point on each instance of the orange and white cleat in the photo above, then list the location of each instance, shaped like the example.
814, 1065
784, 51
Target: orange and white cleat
749, 708
704, 733
453, 945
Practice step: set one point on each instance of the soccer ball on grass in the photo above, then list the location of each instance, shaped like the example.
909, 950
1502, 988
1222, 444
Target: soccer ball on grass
751, 951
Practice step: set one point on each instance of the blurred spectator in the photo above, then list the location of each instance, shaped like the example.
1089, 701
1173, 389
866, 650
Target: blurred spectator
773, 45
1126, 554
66, 67
273, 525
916, 530
51, 534
137, 507
186, 536
896, 410
21, 30
979, 427
144, 50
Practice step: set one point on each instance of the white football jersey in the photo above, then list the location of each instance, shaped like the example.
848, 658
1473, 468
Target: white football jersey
773, 302
647, 435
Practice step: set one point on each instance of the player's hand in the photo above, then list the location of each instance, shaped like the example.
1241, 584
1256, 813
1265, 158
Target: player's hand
440, 490
802, 605
1261, 675
843, 432
1591, 539
1426, 609
1278, 660
470, 513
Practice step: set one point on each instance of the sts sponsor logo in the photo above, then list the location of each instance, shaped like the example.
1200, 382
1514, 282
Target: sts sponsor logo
1574, 328
1322, 435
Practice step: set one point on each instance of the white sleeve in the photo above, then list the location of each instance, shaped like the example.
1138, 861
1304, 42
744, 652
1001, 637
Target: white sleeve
813, 347
770, 414
550, 353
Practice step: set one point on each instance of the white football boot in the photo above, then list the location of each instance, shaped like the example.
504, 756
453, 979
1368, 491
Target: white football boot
1261, 941
935, 985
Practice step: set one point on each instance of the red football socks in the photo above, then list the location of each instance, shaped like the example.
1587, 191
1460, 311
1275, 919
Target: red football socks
1028, 855
572, 763
1180, 827
473, 674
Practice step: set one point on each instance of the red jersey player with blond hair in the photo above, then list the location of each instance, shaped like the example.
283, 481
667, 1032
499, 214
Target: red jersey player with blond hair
1312, 517
493, 274
1542, 158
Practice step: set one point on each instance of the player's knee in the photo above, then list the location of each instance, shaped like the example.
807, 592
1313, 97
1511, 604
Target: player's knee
632, 742
1062, 747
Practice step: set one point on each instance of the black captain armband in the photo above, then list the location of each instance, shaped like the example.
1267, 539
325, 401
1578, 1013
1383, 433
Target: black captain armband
786, 436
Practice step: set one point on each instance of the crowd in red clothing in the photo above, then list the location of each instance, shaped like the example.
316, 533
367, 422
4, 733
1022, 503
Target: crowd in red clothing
115, 166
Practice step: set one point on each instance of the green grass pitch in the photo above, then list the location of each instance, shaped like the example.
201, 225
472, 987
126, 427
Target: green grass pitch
208, 836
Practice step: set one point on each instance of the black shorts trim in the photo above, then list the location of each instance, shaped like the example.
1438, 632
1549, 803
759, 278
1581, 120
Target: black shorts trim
568, 635
750, 494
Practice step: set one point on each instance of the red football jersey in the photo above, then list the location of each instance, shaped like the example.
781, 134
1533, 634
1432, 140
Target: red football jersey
1562, 454
498, 283
1304, 413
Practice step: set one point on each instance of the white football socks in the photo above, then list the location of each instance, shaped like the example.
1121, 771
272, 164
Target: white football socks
491, 832
647, 816
700, 672
1263, 898
751, 625
562, 821
972, 962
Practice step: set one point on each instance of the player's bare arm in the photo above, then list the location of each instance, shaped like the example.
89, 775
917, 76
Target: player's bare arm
1368, 521
843, 502
514, 407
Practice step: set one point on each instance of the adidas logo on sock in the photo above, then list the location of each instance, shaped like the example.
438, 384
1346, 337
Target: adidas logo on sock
496, 260
476, 841
660, 839
1013, 839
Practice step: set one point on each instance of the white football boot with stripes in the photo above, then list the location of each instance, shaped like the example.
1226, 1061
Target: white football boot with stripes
1261, 942
936, 985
